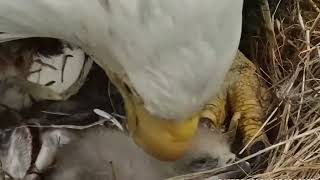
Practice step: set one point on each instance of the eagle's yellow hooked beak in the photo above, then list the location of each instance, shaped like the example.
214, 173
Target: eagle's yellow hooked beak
166, 140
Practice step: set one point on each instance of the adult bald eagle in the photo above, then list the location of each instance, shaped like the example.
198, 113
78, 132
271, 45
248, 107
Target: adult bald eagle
168, 58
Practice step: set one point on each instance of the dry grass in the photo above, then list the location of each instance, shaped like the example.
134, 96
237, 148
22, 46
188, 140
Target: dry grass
294, 72
290, 63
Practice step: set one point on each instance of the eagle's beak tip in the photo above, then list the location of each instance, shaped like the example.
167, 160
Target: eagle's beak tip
166, 140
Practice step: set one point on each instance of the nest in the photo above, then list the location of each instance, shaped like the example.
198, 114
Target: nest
286, 47
293, 58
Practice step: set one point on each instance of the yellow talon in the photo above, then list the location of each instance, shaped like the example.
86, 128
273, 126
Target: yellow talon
245, 98
215, 110
241, 96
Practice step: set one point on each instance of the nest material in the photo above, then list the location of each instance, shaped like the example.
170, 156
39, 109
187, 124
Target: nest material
293, 55
287, 49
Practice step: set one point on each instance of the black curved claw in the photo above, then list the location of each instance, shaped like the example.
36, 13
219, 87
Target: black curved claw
258, 144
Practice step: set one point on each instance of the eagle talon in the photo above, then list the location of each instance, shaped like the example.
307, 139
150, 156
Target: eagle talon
215, 111
244, 96
234, 124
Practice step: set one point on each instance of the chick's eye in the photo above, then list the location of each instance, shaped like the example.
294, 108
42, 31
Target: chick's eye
203, 163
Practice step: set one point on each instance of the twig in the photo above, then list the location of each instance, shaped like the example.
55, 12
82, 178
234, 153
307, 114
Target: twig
315, 23
56, 113
314, 6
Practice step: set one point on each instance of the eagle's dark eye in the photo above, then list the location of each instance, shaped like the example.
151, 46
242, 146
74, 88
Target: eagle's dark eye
131, 91
127, 88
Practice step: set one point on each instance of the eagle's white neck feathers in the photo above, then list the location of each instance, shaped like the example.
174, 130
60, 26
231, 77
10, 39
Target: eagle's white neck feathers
174, 52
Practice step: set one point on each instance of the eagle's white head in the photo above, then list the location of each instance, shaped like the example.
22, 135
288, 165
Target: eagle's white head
172, 54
